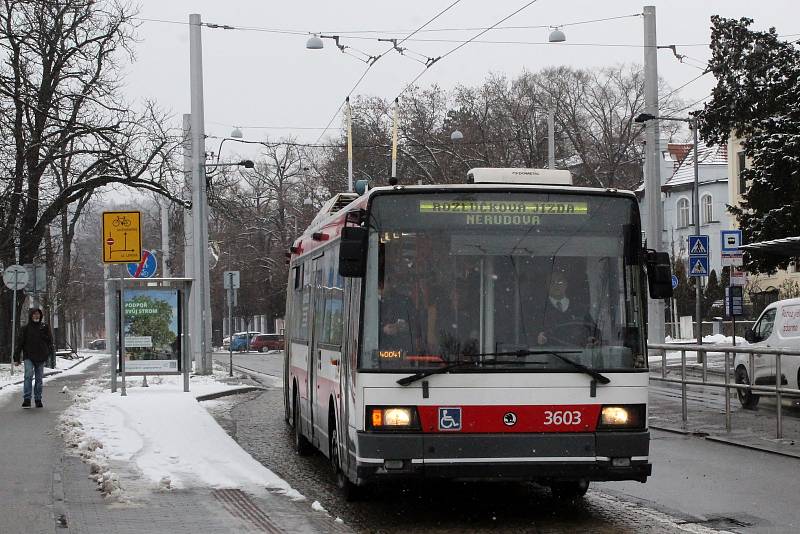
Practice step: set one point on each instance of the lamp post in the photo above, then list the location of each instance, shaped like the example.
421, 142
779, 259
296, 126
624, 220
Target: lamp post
201, 319
692, 122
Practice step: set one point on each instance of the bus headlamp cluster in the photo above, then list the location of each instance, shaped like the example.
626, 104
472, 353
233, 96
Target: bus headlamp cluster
392, 418
628, 416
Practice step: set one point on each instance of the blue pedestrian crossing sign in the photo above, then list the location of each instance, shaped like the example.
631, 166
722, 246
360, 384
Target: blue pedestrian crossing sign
698, 266
698, 245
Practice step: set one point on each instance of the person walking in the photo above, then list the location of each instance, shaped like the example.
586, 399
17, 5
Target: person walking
35, 342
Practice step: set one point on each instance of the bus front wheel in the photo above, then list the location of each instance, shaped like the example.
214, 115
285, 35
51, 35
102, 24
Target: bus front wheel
570, 490
349, 491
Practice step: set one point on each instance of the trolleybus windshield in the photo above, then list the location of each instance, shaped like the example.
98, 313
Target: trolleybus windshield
455, 276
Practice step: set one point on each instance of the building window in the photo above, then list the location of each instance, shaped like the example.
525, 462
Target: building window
707, 208
683, 213
740, 164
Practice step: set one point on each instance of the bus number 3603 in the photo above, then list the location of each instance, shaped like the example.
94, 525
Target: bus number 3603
559, 417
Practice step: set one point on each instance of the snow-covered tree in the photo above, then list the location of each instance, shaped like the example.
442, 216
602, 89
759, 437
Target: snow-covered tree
757, 98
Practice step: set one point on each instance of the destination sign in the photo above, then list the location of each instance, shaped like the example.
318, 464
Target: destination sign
501, 207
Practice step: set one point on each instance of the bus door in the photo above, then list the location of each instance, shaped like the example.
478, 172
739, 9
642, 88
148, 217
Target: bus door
314, 362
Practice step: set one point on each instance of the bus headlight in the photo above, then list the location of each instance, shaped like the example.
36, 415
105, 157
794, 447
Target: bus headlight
392, 418
628, 416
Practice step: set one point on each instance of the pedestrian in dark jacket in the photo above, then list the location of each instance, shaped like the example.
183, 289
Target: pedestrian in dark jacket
35, 342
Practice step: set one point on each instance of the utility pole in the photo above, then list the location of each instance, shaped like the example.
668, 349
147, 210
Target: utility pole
698, 290
164, 210
652, 175
202, 341
551, 138
188, 225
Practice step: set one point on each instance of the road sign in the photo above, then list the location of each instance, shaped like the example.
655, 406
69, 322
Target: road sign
15, 277
698, 266
674, 281
738, 278
734, 301
731, 259
122, 237
37, 278
731, 240
698, 245
145, 268
230, 280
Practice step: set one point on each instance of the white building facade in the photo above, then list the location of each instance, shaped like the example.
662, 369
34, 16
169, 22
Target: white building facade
677, 192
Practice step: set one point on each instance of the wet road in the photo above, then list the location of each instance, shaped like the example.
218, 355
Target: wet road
698, 486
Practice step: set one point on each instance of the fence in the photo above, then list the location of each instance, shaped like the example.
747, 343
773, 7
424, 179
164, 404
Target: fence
709, 327
777, 389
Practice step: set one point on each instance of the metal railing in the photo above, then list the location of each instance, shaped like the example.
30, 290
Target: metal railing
778, 390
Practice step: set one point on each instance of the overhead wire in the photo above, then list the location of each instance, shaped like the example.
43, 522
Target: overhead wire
462, 45
683, 85
371, 63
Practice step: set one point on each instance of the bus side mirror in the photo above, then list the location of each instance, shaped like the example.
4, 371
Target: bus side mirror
659, 275
352, 252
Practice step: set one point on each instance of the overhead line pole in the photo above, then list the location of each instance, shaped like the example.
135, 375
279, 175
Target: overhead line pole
199, 200
652, 175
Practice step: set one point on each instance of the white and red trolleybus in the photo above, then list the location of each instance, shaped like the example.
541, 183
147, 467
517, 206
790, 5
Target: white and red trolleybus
491, 330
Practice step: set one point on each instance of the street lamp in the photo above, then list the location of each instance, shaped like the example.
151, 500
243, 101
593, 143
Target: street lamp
456, 136
692, 122
556, 35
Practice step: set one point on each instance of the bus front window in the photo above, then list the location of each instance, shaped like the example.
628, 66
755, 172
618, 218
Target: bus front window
445, 287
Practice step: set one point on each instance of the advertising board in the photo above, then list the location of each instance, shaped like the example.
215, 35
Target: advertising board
152, 330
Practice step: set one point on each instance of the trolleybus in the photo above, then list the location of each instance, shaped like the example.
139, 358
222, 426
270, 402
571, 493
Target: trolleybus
492, 330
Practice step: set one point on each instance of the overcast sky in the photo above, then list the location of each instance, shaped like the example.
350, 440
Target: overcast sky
257, 79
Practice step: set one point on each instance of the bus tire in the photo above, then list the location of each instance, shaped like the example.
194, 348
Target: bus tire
747, 398
349, 491
569, 490
301, 444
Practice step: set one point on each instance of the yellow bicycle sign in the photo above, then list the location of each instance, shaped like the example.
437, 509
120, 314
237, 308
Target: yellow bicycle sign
122, 237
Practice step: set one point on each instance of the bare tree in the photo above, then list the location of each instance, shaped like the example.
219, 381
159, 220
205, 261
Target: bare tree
66, 130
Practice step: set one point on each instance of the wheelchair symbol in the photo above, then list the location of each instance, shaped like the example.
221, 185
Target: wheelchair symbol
449, 419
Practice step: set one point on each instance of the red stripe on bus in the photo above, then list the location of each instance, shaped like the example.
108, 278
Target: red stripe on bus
511, 418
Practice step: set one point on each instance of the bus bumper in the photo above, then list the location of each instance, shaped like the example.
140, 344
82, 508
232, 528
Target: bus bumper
532, 457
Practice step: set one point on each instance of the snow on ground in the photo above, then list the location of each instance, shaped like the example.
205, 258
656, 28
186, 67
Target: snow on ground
64, 365
164, 434
715, 359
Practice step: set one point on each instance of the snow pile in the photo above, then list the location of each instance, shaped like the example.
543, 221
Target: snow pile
716, 359
165, 434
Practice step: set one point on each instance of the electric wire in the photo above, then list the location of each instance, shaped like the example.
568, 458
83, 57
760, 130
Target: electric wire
683, 85
371, 63
462, 45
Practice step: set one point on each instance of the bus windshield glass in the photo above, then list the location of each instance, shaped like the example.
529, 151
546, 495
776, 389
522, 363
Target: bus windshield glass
503, 279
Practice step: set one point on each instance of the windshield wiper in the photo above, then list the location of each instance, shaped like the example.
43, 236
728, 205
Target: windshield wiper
560, 355
428, 372
518, 353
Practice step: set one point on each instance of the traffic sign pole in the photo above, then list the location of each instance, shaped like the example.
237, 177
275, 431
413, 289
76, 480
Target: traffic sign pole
14, 321
230, 322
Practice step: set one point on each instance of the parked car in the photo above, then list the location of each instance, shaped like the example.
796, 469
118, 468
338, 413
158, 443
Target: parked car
98, 344
778, 327
241, 340
265, 342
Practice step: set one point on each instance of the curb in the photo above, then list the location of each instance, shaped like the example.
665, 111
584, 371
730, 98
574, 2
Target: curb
228, 392
726, 441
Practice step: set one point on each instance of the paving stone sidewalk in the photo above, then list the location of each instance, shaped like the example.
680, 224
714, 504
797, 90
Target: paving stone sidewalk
47, 489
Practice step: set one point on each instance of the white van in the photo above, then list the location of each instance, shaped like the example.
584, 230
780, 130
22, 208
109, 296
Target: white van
777, 327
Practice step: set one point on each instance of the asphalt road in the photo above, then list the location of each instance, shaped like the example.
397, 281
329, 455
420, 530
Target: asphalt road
697, 485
